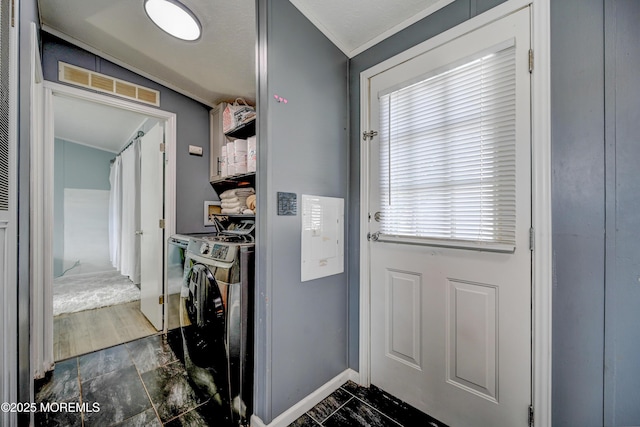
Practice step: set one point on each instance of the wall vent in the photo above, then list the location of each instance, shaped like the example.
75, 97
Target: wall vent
77, 76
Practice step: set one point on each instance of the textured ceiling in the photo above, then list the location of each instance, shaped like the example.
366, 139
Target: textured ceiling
93, 124
221, 64
356, 25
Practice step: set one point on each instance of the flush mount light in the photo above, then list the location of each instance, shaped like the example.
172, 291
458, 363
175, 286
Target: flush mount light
174, 18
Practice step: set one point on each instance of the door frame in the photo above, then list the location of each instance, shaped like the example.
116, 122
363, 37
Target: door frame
41, 238
540, 193
10, 314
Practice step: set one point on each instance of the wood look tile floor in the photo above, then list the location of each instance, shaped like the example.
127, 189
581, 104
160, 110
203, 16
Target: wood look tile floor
91, 330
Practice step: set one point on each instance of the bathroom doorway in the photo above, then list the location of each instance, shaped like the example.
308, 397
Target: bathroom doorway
91, 299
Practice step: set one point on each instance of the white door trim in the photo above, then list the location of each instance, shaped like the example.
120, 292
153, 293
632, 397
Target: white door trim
41, 360
42, 196
10, 375
541, 194
541, 212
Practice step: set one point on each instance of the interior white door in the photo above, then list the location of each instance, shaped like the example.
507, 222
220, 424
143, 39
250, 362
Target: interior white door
151, 212
451, 319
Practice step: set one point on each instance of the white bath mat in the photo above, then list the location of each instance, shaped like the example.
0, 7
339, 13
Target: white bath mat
87, 291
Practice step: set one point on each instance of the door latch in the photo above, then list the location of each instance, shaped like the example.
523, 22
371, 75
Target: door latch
375, 236
369, 135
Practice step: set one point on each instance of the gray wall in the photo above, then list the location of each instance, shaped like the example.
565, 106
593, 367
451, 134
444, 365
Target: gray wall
192, 180
583, 390
622, 155
301, 326
75, 166
434, 24
577, 120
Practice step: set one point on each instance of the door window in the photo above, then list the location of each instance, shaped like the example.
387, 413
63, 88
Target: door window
447, 152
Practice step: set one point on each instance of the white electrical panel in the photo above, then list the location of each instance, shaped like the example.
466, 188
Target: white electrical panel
322, 236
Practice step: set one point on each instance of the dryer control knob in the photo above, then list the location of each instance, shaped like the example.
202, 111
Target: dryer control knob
204, 248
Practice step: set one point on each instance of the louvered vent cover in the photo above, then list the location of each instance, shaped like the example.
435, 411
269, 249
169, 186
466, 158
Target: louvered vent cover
90, 79
4, 106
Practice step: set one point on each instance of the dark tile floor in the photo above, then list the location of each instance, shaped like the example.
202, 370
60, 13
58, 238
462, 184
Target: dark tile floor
144, 383
354, 406
141, 383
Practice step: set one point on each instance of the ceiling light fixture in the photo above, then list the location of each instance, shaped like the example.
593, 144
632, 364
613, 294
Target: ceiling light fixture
174, 18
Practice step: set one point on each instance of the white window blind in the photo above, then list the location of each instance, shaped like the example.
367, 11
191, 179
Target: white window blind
447, 155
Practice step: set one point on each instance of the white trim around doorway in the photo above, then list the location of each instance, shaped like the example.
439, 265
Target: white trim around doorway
9, 262
541, 194
42, 205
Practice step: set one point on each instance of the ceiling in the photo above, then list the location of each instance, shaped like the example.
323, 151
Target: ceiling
219, 66
92, 124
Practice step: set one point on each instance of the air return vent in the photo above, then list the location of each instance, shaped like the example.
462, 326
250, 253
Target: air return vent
90, 79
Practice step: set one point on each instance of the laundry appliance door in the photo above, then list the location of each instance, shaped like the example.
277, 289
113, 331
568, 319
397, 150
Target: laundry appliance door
205, 306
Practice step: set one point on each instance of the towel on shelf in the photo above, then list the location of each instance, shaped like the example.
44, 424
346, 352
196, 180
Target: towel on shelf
234, 201
248, 212
230, 205
230, 199
231, 211
244, 191
229, 194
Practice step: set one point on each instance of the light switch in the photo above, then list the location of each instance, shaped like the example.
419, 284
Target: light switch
195, 150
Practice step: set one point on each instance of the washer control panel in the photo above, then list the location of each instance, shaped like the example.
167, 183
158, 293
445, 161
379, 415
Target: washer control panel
223, 252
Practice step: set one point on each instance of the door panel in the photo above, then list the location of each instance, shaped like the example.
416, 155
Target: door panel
404, 328
151, 212
451, 323
472, 338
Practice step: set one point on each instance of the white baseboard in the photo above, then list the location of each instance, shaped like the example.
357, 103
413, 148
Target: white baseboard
297, 410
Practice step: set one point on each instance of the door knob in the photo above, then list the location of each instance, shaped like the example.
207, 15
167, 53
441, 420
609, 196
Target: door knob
139, 233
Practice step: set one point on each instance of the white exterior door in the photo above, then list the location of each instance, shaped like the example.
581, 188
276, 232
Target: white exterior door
451, 298
151, 212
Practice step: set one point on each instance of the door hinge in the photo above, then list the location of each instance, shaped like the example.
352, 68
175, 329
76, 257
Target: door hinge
369, 135
162, 147
373, 236
531, 238
530, 60
530, 416
161, 299
161, 223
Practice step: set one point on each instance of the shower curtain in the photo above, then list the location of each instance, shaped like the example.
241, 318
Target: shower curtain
124, 212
